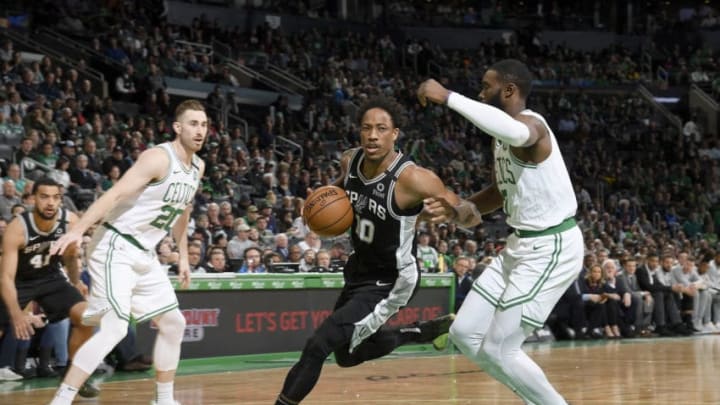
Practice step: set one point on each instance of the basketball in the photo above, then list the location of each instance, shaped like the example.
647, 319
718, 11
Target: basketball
328, 211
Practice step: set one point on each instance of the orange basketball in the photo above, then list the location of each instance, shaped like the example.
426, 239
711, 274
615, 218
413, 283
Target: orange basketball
328, 211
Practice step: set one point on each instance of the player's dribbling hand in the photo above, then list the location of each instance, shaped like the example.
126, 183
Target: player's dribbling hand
432, 90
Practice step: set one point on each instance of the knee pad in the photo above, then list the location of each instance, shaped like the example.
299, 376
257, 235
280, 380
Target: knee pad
171, 324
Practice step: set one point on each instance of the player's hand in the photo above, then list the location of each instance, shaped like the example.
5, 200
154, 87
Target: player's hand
38, 321
432, 90
23, 326
184, 274
439, 210
72, 237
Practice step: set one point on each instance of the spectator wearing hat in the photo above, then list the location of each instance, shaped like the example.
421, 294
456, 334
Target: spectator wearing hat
67, 149
266, 211
117, 158
252, 215
239, 243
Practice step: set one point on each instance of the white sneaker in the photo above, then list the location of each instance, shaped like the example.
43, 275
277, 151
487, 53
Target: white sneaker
6, 374
709, 327
155, 403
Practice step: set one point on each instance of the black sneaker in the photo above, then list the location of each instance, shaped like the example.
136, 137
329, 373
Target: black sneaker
88, 390
46, 372
430, 330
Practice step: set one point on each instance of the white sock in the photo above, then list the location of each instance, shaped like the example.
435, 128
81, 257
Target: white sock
164, 394
64, 395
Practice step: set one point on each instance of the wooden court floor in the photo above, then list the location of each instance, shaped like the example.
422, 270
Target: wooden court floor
653, 371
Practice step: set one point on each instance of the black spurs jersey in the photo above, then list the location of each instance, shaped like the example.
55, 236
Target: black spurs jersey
34, 260
383, 235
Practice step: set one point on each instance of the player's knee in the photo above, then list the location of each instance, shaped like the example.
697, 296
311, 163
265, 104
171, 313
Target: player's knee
171, 324
345, 359
463, 338
317, 347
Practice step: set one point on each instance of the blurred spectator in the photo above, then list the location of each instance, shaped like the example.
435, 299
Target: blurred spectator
239, 243
252, 262
8, 199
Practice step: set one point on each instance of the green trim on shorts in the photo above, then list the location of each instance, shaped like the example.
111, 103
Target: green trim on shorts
531, 322
108, 280
157, 312
541, 281
125, 236
485, 295
563, 226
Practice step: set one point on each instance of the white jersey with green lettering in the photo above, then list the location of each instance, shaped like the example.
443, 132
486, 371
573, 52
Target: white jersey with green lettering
152, 214
536, 196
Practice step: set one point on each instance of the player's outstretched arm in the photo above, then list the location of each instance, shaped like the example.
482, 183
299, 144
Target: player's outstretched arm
13, 241
153, 164
491, 120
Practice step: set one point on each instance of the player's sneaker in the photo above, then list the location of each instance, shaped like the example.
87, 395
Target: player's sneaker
432, 329
155, 403
88, 390
441, 342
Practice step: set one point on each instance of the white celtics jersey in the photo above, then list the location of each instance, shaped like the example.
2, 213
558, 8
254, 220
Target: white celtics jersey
537, 196
152, 214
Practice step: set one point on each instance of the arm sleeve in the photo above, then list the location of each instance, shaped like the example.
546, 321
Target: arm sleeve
491, 120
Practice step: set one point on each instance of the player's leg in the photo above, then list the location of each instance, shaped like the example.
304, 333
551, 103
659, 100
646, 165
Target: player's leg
502, 349
154, 298
89, 355
110, 265
166, 354
471, 325
333, 334
536, 282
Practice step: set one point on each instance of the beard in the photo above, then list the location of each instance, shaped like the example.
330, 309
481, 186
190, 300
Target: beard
495, 101
45, 216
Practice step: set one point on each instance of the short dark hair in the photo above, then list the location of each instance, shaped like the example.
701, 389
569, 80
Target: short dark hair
391, 107
516, 72
44, 181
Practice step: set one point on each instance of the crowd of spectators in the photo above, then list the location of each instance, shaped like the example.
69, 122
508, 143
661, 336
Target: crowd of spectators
649, 197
